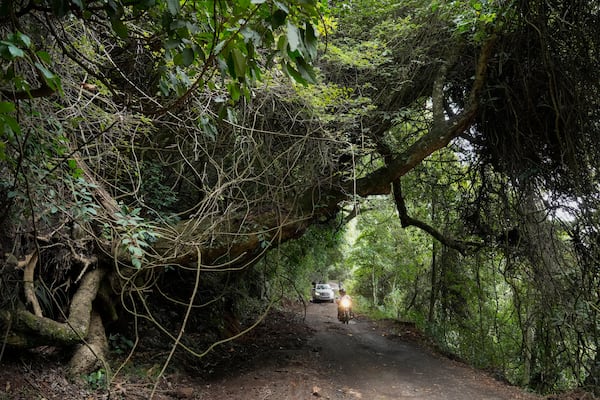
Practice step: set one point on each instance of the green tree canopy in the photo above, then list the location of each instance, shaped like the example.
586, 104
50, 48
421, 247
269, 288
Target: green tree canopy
148, 139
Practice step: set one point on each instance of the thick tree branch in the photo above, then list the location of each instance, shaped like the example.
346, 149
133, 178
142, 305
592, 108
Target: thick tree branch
406, 221
438, 137
317, 203
29, 330
43, 91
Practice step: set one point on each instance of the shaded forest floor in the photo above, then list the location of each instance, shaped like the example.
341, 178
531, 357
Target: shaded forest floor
288, 356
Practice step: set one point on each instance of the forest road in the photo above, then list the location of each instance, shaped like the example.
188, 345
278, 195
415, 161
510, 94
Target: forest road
358, 361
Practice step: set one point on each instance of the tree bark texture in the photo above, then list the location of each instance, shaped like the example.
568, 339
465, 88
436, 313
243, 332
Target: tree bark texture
29, 330
90, 355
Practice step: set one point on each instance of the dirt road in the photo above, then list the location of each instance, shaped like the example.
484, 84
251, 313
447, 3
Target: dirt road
357, 361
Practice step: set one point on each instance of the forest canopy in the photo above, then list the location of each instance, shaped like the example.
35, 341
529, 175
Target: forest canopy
153, 153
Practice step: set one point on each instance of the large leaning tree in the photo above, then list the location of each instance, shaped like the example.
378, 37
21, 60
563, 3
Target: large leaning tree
148, 144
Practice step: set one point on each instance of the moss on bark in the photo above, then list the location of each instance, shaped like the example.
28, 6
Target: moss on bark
29, 330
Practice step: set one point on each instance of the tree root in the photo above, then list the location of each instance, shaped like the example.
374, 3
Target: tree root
91, 355
29, 330
25, 329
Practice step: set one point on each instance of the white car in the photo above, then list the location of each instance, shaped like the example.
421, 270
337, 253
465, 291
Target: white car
322, 292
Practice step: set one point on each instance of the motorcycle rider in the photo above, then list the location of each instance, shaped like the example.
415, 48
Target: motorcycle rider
343, 295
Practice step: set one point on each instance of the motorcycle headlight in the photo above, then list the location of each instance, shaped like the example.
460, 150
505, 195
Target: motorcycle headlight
345, 303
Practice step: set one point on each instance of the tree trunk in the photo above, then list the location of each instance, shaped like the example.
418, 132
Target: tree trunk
374, 283
434, 284
90, 355
29, 330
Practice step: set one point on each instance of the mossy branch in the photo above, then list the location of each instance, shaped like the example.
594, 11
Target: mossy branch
29, 330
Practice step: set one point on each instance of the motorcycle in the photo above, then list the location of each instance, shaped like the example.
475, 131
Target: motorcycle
344, 307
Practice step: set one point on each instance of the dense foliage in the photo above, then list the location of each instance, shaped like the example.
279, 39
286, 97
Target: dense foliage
159, 156
519, 188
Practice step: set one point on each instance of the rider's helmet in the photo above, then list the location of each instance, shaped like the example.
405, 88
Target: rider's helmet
342, 291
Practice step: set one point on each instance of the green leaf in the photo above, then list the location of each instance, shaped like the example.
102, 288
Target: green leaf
310, 41
292, 72
52, 80
89, 210
178, 59
242, 5
24, 39
173, 6
15, 51
72, 164
6, 107
282, 44
278, 18
281, 6
119, 28
136, 262
219, 47
251, 36
199, 52
172, 44
45, 71
234, 91
476, 5
231, 66
188, 56
293, 36
164, 87
178, 26
239, 62
231, 116
135, 251
12, 124
306, 70
45, 57
208, 127
4, 51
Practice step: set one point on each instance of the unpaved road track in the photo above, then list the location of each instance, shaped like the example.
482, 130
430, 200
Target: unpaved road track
356, 361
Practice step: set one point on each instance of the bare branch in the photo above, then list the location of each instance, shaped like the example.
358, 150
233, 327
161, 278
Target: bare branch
406, 221
29, 265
